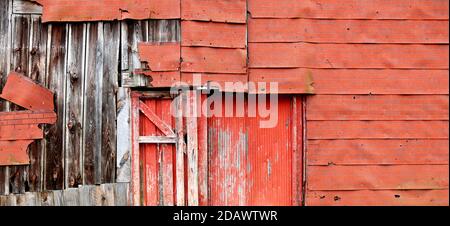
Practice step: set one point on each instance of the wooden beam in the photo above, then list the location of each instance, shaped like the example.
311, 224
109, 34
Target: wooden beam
157, 140
135, 173
179, 174
192, 149
155, 119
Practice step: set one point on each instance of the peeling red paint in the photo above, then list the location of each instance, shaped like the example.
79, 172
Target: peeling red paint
26, 93
19, 129
106, 10
160, 56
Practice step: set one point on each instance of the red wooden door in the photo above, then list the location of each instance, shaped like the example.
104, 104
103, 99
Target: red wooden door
250, 165
156, 142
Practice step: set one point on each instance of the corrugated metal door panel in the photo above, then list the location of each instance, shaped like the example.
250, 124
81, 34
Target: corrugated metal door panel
250, 165
228, 154
269, 172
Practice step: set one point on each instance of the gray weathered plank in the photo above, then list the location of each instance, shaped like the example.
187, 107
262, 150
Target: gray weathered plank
74, 105
71, 197
123, 136
55, 81
5, 48
26, 7
93, 103
111, 49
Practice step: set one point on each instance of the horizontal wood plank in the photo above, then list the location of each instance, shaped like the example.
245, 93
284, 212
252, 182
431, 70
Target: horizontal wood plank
363, 56
157, 140
377, 152
378, 198
338, 178
348, 31
213, 60
377, 107
214, 10
377, 130
350, 9
209, 34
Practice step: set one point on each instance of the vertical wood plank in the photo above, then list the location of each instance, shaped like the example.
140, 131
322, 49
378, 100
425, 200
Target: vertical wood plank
5, 50
74, 105
192, 148
167, 157
179, 174
110, 86
20, 63
56, 82
71, 197
134, 33
37, 69
136, 180
150, 160
121, 194
93, 104
202, 152
123, 136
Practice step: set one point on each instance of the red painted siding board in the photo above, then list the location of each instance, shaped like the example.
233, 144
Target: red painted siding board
162, 78
20, 132
105, 10
290, 81
398, 177
350, 9
386, 107
160, 56
236, 82
348, 31
14, 152
209, 34
213, 60
363, 81
378, 198
377, 152
382, 56
377, 130
230, 11
26, 93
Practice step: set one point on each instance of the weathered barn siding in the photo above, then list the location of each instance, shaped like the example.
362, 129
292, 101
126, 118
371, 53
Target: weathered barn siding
378, 127
80, 62
89, 195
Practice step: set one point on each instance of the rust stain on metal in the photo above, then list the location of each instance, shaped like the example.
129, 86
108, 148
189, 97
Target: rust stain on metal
107, 10
26, 93
214, 10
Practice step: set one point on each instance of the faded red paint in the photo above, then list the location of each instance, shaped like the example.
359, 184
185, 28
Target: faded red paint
19, 129
348, 31
350, 9
214, 10
305, 55
207, 34
106, 10
160, 56
214, 60
26, 93
254, 166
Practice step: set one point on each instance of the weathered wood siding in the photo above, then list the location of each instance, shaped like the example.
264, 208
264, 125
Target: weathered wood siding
84, 64
90, 195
